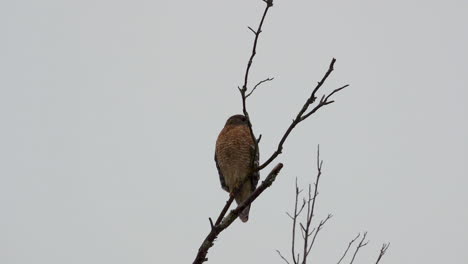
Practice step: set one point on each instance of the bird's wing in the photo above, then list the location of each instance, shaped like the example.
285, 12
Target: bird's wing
221, 177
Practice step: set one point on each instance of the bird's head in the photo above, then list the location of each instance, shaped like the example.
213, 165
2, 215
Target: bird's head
237, 120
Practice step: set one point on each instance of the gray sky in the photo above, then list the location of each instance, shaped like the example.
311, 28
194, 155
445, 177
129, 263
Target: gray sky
110, 110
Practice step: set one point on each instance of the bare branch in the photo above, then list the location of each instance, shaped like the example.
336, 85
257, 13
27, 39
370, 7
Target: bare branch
335, 91
229, 201
311, 210
302, 115
225, 208
347, 249
383, 250
229, 219
243, 90
265, 184
322, 223
259, 138
279, 253
302, 231
305, 229
258, 84
302, 207
323, 101
361, 244
294, 225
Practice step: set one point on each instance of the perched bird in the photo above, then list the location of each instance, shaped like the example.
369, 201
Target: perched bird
236, 157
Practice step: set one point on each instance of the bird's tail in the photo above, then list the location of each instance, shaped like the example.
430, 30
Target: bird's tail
244, 215
244, 193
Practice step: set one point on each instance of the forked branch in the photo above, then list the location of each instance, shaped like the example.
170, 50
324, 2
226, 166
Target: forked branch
360, 245
303, 114
244, 88
383, 250
347, 249
258, 84
309, 234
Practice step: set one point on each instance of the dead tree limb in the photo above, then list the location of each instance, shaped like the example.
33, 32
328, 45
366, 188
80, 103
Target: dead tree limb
310, 212
309, 234
282, 257
225, 208
258, 84
229, 219
294, 219
361, 244
347, 249
317, 230
302, 115
383, 250
243, 90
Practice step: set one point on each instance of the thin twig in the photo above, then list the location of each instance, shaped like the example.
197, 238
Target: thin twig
361, 244
259, 138
229, 202
347, 249
302, 115
243, 90
258, 84
383, 250
323, 101
311, 209
279, 253
229, 219
305, 229
322, 223
294, 223
310, 205
225, 208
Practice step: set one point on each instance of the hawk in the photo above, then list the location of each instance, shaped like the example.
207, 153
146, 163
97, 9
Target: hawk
236, 157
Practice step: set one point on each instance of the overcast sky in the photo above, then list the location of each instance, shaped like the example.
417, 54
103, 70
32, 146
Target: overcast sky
109, 112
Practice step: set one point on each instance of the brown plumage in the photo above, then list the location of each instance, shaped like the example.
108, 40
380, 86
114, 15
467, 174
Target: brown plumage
235, 159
